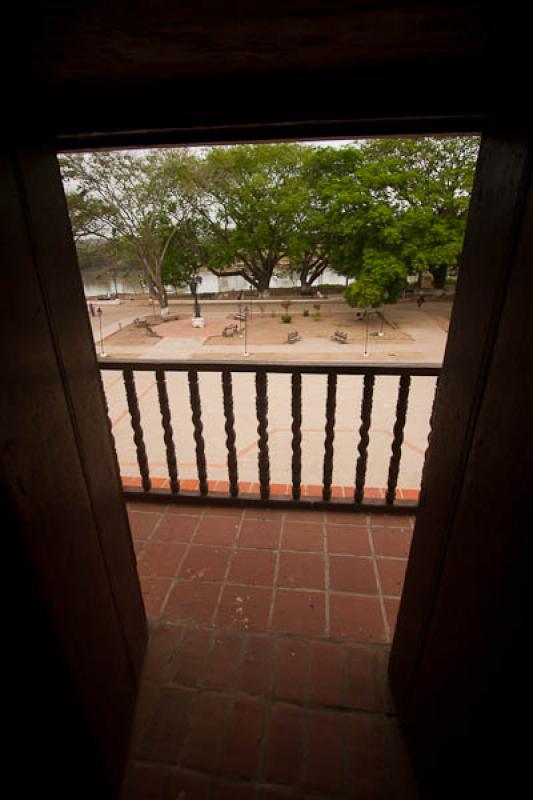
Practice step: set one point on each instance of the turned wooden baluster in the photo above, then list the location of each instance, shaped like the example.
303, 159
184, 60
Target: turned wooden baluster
261, 404
110, 424
138, 438
331, 402
196, 408
167, 430
401, 411
430, 435
296, 408
364, 438
227, 391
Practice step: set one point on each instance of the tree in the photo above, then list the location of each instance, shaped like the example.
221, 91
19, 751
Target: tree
429, 180
137, 201
245, 198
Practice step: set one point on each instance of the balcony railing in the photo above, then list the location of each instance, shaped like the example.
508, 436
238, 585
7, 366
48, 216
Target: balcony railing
261, 372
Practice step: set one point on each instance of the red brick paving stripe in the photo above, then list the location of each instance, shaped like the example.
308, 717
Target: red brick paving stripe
251, 488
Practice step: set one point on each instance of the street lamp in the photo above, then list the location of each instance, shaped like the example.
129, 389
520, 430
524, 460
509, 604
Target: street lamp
193, 286
103, 354
246, 353
367, 320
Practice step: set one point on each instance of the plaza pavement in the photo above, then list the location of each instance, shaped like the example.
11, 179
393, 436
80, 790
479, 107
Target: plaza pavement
426, 337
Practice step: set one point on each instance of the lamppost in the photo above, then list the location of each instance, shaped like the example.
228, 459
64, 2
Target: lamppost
103, 354
367, 320
246, 353
197, 320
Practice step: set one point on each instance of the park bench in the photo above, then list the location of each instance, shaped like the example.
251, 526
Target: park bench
340, 336
230, 330
293, 337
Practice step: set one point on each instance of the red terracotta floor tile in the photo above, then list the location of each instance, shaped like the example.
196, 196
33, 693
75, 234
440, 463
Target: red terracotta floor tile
356, 617
147, 507
302, 536
223, 511
217, 530
352, 574
348, 539
388, 520
301, 571
263, 534
162, 643
167, 728
190, 657
154, 591
161, 559
176, 528
201, 749
313, 517
142, 524
145, 782
346, 518
299, 612
392, 606
190, 601
264, 514
245, 607
245, 727
392, 574
327, 674
252, 567
257, 665
325, 763
394, 542
205, 563
223, 664
366, 678
378, 762
182, 783
284, 745
291, 674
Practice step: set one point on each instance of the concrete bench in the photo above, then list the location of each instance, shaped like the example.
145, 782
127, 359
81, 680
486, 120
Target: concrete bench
340, 336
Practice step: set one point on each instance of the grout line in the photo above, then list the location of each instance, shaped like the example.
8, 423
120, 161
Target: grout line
386, 625
224, 582
327, 582
175, 580
276, 573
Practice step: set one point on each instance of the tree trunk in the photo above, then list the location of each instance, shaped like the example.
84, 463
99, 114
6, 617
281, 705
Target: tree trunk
162, 298
439, 276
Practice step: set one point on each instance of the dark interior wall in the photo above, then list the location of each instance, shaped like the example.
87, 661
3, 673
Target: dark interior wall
120, 72
458, 669
81, 631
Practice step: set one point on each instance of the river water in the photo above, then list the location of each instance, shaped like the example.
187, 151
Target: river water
96, 283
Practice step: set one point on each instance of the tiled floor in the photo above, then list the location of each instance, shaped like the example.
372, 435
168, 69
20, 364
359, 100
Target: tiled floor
266, 669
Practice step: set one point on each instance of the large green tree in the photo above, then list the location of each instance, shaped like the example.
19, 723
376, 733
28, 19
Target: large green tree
138, 201
428, 180
245, 196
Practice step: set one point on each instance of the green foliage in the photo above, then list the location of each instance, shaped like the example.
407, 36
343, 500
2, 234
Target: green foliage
306, 312
381, 280
286, 318
375, 212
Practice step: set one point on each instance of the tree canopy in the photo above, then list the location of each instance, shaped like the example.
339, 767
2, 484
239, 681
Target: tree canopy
375, 211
